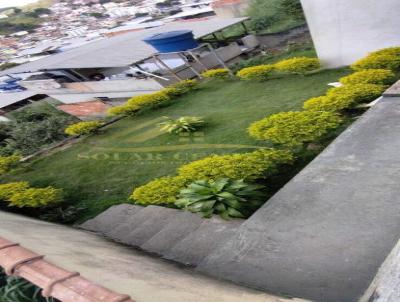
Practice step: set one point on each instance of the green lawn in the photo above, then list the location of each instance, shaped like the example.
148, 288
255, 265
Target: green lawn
103, 169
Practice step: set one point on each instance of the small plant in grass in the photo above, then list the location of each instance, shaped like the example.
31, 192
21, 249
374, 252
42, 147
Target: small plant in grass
159, 191
225, 197
221, 73
182, 124
378, 61
258, 73
294, 129
299, 65
83, 128
8, 162
370, 76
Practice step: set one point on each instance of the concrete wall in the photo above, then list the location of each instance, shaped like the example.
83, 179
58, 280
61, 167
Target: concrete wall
231, 8
346, 30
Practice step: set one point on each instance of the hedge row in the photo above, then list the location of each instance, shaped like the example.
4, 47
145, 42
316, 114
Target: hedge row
137, 103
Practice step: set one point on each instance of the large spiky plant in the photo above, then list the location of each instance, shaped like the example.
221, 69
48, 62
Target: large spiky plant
182, 124
225, 197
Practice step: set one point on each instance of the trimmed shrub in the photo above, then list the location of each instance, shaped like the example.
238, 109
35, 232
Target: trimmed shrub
294, 128
300, 65
225, 197
325, 103
246, 166
258, 73
9, 189
221, 73
83, 128
393, 51
137, 103
159, 191
378, 61
357, 93
180, 88
370, 76
36, 197
8, 162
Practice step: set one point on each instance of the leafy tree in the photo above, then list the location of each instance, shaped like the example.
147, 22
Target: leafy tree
293, 8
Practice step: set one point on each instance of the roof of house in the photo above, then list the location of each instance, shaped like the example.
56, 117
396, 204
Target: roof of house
120, 50
10, 98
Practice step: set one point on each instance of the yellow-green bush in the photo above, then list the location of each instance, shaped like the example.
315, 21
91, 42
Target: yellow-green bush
83, 128
370, 76
180, 88
299, 65
220, 73
36, 197
378, 61
9, 189
294, 128
394, 51
325, 103
357, 92
139, 102
159, 191
258, 73
247, 166
8, 162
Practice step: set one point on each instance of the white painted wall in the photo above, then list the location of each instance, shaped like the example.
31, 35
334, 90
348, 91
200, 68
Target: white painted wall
346, 30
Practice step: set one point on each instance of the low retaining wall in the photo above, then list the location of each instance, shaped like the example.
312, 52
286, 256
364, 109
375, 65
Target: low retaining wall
298, 34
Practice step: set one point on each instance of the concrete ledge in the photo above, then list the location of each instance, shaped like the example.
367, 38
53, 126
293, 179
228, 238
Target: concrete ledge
326, 233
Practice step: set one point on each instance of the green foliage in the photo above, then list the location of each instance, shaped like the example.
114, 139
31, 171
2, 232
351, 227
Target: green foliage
300, 65
36, 197
8, 162
277, 14
14, 289
258, 73
293, 8
62, 214
159, 191
36, 126
247, 166
19, 194
182, 124
378, 61
83, 128
370, 76
357, 93
294, 128
221, 73
228, 198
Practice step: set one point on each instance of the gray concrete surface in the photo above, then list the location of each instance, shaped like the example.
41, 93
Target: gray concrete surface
325, 234
344, 31
122, 269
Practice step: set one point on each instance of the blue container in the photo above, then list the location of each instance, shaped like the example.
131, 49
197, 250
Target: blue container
172, 41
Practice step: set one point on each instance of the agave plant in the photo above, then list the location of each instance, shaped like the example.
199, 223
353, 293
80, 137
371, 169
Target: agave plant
182, 124
14, 289
226, 197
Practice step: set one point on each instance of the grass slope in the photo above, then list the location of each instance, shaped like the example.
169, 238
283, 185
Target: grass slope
103, 169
